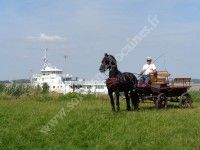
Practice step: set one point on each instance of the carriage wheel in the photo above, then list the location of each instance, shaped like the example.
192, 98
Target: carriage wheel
161, 101
185, 101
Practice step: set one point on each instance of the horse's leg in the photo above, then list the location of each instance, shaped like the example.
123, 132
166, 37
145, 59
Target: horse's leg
117, 100
128, 107
135, 100
110, 93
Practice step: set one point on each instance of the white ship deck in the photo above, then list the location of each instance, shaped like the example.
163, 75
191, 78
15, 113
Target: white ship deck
65, 83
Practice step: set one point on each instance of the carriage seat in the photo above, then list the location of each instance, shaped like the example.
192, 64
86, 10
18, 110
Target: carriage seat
160, 79
181, 82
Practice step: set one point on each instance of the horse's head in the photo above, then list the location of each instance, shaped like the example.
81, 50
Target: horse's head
107, 62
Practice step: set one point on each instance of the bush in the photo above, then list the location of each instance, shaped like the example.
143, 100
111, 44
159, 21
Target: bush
37, 90
70, 96
17, 90
45, 88
44, 98
2, 88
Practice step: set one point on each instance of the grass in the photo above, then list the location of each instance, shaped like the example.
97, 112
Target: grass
90, 124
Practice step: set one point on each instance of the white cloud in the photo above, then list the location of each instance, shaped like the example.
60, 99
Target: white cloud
43, 37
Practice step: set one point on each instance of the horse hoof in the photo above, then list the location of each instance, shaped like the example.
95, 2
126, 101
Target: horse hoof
128, 109
118, 109
113, 110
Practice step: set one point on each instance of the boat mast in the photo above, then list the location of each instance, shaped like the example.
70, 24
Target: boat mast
45, 60
65, 57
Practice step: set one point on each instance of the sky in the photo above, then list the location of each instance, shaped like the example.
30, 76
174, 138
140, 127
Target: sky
86, 29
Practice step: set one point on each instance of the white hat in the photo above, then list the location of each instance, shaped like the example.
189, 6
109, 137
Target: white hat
149, 58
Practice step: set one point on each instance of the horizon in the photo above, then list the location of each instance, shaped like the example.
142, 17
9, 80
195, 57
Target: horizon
84, 30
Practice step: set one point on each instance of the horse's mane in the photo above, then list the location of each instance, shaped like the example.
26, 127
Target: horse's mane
111, 56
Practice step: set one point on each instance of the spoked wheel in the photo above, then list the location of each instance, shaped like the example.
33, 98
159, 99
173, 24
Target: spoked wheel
161, 101
185, 101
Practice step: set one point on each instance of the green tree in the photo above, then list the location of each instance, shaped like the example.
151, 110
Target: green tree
45, 88
2, 87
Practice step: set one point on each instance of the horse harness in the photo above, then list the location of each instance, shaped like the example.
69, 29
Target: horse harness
116, 81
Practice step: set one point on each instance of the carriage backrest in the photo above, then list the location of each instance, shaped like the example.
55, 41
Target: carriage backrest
181, 82
164, 74
159, 78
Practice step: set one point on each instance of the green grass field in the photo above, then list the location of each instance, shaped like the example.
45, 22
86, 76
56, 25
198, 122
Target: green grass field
89, 123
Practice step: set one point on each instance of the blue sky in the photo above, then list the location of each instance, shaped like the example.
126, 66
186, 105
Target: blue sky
86, 29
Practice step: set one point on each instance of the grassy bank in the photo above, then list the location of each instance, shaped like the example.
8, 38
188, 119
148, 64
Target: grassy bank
29, 121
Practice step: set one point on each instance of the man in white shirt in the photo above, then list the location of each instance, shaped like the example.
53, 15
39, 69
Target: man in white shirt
147, 69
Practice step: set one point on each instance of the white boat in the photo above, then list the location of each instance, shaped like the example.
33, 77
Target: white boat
65, 83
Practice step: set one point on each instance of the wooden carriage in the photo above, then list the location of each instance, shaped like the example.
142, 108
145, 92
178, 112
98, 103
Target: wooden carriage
162, 88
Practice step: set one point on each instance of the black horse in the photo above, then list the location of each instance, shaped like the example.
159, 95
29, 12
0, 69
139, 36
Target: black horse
119, 82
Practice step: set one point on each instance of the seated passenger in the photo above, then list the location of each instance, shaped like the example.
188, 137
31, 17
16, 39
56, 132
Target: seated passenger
147, 69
